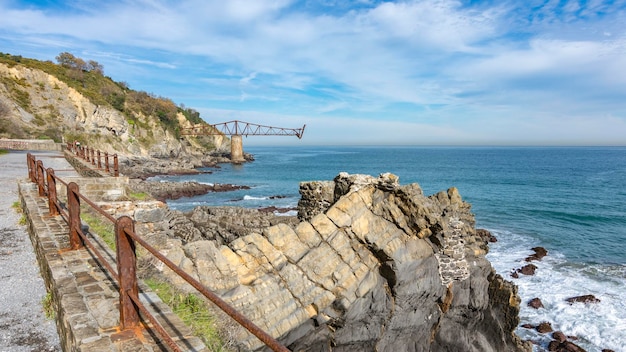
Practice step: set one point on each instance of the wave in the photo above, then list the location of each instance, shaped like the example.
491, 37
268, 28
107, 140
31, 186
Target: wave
247, 197
598, 326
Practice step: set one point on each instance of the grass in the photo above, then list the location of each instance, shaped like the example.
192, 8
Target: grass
191, 310
97, 225
139, 195
4, 151
17, 206
47, 304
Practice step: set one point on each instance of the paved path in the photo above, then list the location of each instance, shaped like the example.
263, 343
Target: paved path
23, 325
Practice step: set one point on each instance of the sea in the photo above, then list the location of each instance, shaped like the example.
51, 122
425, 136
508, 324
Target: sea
569, 200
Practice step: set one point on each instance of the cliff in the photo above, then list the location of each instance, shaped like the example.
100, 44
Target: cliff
369, 265
45, 100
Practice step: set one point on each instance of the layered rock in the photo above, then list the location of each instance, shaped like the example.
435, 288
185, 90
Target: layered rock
370, 266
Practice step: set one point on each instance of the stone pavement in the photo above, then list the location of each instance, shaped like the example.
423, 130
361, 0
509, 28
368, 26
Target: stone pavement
84, 295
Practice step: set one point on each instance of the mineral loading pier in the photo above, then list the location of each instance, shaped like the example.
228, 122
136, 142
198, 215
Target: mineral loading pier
236, 129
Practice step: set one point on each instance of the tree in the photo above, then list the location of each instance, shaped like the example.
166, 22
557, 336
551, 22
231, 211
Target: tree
94, 66
72, 62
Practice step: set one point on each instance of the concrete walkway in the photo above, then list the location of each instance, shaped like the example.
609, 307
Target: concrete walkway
23, 325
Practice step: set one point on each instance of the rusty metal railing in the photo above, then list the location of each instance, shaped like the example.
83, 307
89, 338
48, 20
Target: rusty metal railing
125, 273
94, 157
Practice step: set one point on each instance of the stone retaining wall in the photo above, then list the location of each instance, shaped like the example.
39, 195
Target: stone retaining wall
84, 297
30, 144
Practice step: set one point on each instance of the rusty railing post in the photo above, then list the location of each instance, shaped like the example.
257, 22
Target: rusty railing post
99, 163
30, 160
116, 166
106, 161
73, 207
126, 269
40, 178
93, 159
52, 192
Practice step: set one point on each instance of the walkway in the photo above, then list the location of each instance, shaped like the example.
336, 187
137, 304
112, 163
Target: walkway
23, 325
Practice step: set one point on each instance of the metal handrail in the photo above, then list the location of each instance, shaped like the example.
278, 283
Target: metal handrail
126, 239
94, 157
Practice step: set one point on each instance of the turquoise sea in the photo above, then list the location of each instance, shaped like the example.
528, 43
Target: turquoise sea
570, 200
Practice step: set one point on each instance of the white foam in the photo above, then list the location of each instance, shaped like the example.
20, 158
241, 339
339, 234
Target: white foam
597, 325
247, 197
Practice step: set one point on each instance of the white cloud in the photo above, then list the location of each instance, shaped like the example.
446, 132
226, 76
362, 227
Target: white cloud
443, 66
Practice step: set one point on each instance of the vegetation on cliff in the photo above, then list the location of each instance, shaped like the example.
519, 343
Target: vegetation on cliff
74, 100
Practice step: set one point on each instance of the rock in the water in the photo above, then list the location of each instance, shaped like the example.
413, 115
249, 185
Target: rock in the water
540, 252
544, 327
486, 235
583, 299
535, 303
559, 336
566, 346
175, 190
528, 269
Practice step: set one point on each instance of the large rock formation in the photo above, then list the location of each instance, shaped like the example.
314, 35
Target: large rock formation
370, 266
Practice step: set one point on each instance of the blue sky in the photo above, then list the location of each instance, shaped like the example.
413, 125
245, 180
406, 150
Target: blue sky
358, 72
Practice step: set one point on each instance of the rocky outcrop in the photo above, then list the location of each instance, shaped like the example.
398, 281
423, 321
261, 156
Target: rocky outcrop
175, 190
369, 266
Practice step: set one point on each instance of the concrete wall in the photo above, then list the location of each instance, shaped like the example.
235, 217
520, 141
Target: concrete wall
30, 144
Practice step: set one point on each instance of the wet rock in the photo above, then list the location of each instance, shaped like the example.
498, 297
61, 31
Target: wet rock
559, 336
583, 299
544, 327
540, 252
486, 235
566, 346
535, 303
528, 269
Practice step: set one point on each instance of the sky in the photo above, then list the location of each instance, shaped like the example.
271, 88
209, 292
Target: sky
432, 72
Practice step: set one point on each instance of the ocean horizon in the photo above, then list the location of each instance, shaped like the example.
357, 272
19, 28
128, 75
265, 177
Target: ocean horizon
569, 200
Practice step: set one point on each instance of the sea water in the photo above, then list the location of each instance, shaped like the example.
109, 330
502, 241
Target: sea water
571, 201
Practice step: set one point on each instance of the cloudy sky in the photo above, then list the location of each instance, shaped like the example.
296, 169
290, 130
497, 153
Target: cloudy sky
443, 72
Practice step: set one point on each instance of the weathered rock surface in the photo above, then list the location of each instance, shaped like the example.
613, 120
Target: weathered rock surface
175, 190
369, 266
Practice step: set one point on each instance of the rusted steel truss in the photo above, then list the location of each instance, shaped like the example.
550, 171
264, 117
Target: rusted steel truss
235, 127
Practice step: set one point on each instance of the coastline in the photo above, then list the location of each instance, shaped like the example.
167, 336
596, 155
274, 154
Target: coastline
519, 194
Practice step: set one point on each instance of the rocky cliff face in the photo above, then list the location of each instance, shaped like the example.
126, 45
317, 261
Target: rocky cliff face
370, 266
34, 103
